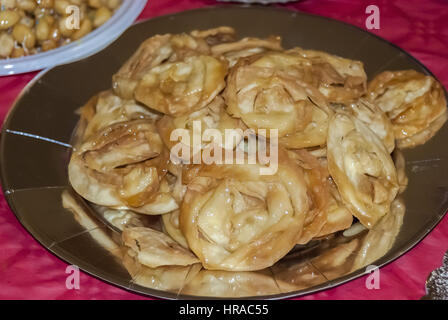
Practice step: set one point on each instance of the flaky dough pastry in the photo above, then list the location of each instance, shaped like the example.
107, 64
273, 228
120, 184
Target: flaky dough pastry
186, 224
414, 102
233, 220
361, 167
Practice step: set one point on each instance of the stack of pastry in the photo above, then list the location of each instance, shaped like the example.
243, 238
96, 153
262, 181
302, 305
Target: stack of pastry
336, 134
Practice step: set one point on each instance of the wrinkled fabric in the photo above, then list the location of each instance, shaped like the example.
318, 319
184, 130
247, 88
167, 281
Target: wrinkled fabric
29, 271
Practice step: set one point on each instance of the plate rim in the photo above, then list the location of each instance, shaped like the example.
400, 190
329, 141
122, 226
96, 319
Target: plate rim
155, 293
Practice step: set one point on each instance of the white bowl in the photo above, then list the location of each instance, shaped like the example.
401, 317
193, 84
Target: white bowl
95, 41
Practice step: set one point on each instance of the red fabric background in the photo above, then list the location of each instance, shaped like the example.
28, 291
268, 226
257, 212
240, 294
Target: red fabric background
28, 271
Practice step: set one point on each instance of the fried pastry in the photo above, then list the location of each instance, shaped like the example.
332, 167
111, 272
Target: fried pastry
235, 219
246, 47
213, 116
215, 227
374, 118
338, 79
168, 278
425, 135
172, 228
153, 248
265, 91
327, 215
381, 237
315, 132
124, 166
414, 102
362, 168
106, 108
215, 283
181, 87
153, 52
216, 36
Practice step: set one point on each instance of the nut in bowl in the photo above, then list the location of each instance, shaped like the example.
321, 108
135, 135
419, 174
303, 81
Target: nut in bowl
37, 34
220, 225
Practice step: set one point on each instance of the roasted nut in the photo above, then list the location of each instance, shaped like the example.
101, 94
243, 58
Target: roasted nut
8, 4
6, 45
60, 6
24, 35
29, 22
113, 4
63, 27
101, 16
48, 45
27, 5
41, 25
47, 4
42, 30
85, 28
95, 3
8, 19
18, 52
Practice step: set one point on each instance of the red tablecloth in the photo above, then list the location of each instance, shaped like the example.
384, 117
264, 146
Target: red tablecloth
28, 271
